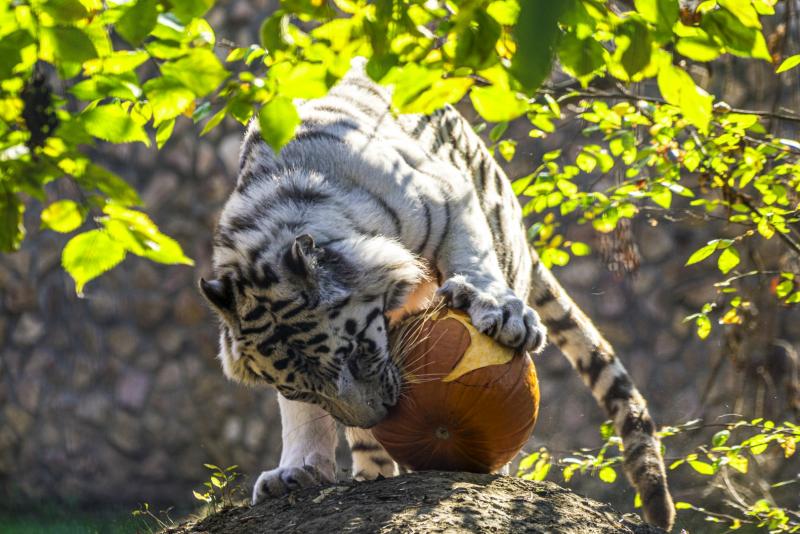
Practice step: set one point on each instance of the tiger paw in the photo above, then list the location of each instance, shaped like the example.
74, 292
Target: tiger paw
504, 316
283, 480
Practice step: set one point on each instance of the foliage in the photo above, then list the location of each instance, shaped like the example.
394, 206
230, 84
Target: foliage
219, 490
737, 449
132, 68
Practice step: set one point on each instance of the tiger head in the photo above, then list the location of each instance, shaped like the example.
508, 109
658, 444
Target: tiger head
310, 320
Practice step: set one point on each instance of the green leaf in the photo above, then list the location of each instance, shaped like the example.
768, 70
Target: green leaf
580, 57
475, 46
63, 216
138, 234
496, 104
789, 63
720, 438
536, 35
10, 47
120, 62
586, 162
12, 228
186, 10
200, 71
580, 249
607, 475
703, 324
506, 12
168, 98
102, 86
742, 10
663, 13
699, 47
738, 462
497, 132
410, 81
214, 121
164, 132
702, 467
62, 10
701, 254
88, 255
679, 89
507, 149
112, 123
65, 44
683, 506
274, 32
639, 49
662, 197
728, 260
138, 21
278, 120
444, 91
738, 38
110, 184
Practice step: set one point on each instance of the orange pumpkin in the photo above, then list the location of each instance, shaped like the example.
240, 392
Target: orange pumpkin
469, 404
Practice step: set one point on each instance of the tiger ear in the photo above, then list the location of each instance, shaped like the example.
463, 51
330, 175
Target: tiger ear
218, 293
301, 256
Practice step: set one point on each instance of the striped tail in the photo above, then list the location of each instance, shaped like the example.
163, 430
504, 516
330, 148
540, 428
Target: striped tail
592, 356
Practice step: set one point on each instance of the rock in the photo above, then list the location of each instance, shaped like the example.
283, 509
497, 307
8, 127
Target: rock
430, 502
655, 243
159, 190
612, 302
28, 331
122, 342
84, 372
228, 151
189, 308
28, 394
148, 311
132, 389
170, 339
124, 433
21, 297
169, 377
104, 307
20, 261
49, 259
232, 429
94, 408
17, 419
254, 435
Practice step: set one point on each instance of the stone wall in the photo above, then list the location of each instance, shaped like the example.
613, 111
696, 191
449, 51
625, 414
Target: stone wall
117, 397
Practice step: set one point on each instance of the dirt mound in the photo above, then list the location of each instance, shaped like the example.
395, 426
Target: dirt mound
426, 502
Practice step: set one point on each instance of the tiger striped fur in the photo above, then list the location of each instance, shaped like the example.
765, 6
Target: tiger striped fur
360, 215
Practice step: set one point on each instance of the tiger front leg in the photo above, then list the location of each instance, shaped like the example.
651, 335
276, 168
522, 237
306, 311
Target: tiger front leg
475, 283
308, 455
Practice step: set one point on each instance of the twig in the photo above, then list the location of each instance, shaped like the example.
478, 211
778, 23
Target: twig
657, 100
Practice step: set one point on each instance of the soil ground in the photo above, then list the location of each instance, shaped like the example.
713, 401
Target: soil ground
427, 502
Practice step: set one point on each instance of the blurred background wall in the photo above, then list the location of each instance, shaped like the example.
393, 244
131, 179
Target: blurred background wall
118, 398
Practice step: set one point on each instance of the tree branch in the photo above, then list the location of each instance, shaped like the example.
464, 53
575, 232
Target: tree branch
619, 95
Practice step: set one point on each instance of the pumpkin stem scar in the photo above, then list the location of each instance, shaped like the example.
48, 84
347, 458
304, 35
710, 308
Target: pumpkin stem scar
483, 351
442, 433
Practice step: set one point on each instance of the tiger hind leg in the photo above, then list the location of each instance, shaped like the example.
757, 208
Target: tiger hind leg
370, 459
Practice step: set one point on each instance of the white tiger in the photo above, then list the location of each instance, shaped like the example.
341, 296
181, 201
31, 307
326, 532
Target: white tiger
361, 216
